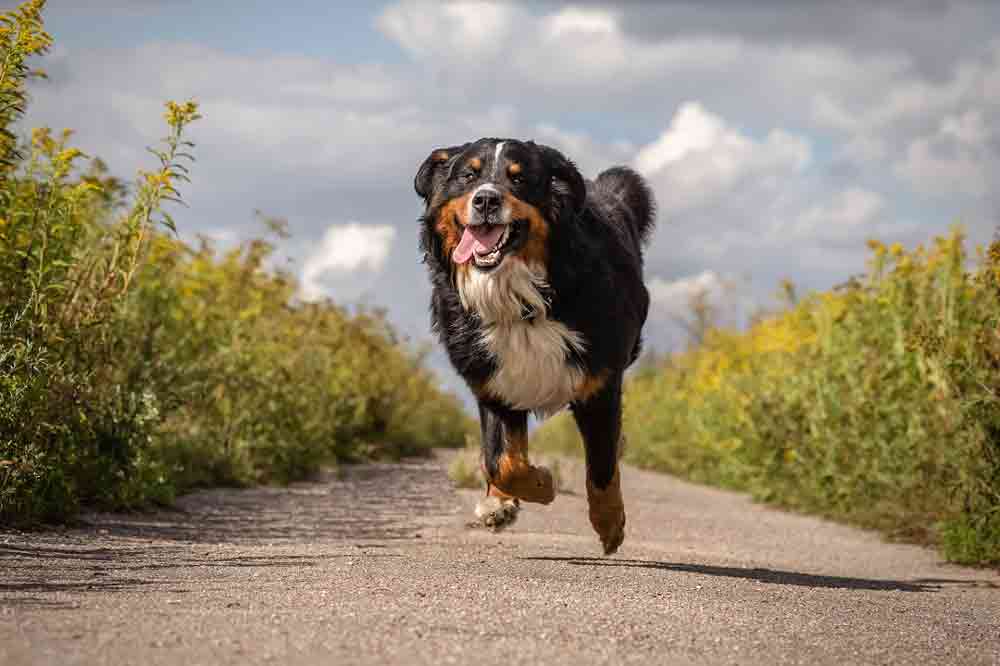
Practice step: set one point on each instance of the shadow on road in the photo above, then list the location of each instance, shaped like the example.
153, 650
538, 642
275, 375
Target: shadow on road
51, 569
776, 577
372, 501
153, 550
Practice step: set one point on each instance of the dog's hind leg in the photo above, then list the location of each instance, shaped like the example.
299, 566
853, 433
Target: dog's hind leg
599, 421
510, 476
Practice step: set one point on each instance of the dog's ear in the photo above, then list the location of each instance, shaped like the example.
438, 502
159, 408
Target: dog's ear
428, 175
568, 187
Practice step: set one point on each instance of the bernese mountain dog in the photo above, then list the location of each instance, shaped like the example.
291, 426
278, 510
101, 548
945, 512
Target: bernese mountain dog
538, 297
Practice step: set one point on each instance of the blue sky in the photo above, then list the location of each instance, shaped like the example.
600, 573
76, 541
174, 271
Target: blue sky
344, 31
778, 136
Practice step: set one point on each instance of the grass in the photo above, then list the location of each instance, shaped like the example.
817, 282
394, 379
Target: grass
877, 403
465, 472
134, 366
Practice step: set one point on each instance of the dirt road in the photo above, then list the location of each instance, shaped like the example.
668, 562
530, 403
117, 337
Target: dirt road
380, 567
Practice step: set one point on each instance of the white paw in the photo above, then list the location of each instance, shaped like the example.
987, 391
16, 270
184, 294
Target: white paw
496, 514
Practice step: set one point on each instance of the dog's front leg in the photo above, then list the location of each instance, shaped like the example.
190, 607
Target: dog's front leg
510, 477
599, 421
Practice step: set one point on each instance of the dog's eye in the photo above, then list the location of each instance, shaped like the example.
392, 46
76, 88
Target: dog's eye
469, 175
517, 179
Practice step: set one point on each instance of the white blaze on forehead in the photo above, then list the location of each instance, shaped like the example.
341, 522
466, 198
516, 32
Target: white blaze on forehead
489, 187
496, 158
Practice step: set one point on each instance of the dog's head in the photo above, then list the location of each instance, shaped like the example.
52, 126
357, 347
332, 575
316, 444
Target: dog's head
495, 201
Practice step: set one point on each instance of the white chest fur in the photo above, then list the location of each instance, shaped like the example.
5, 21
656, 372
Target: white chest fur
531, 355
532, 372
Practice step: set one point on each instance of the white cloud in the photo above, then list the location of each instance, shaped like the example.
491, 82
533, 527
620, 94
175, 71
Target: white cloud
967, 127
901, 99
456, 29
878, 103
864, 149
773, 152
850, 214
935, 135
489, 44
937, 165
699, 158
724, 301
960, 157
674, 296
588, 22
345, 249
691, 130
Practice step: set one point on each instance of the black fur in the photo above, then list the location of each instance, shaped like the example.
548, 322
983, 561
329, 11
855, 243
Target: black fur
599, 421
594, 264
499, 424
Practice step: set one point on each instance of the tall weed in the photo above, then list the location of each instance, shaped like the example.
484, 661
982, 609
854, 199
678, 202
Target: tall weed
876, 403
134, 366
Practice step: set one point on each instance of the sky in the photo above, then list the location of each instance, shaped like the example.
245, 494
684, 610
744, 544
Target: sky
778, 135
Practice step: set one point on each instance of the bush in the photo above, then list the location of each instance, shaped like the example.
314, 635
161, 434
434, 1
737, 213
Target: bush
465, 469
876, 403
134, 366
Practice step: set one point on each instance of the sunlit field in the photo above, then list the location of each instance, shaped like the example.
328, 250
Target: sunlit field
134, 366
140, 359
876, 403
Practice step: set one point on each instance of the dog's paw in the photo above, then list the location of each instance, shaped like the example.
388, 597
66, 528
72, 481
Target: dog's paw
497, 513
611, 530
528, 483
607, 513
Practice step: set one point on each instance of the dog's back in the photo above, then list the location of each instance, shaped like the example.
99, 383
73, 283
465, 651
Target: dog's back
597, 268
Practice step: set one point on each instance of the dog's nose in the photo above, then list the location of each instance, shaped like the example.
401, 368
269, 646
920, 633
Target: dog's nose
485, 200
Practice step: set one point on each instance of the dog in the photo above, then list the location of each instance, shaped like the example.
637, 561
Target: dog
538, 298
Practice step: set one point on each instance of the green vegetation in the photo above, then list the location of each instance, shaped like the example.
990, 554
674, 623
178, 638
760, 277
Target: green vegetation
877, 403
465, 469
134, 366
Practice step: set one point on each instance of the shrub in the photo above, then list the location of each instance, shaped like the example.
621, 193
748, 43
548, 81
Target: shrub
875, 403
465, 469
134, 366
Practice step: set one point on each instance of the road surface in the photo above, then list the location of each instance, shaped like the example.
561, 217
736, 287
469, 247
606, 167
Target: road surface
379, 566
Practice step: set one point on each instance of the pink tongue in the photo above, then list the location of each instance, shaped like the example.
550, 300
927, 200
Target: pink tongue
481, 239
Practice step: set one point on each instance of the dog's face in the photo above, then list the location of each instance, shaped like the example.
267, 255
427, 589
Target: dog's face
494, 201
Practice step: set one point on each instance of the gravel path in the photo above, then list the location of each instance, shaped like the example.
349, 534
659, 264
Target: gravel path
379, 566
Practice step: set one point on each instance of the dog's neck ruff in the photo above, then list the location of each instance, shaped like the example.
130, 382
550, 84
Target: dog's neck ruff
501, 296
531, 350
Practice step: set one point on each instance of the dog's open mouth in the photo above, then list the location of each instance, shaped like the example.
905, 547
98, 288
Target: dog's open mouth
487, 244
491, 257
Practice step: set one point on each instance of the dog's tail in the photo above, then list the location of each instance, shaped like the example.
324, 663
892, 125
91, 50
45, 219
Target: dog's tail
628, 188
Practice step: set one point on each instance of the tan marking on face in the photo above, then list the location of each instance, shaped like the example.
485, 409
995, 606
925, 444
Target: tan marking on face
534, 249
475, 164
450, 220
514, 169
441, 156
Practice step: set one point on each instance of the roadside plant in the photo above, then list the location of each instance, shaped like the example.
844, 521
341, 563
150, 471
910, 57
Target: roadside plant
877, 403
134, 366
